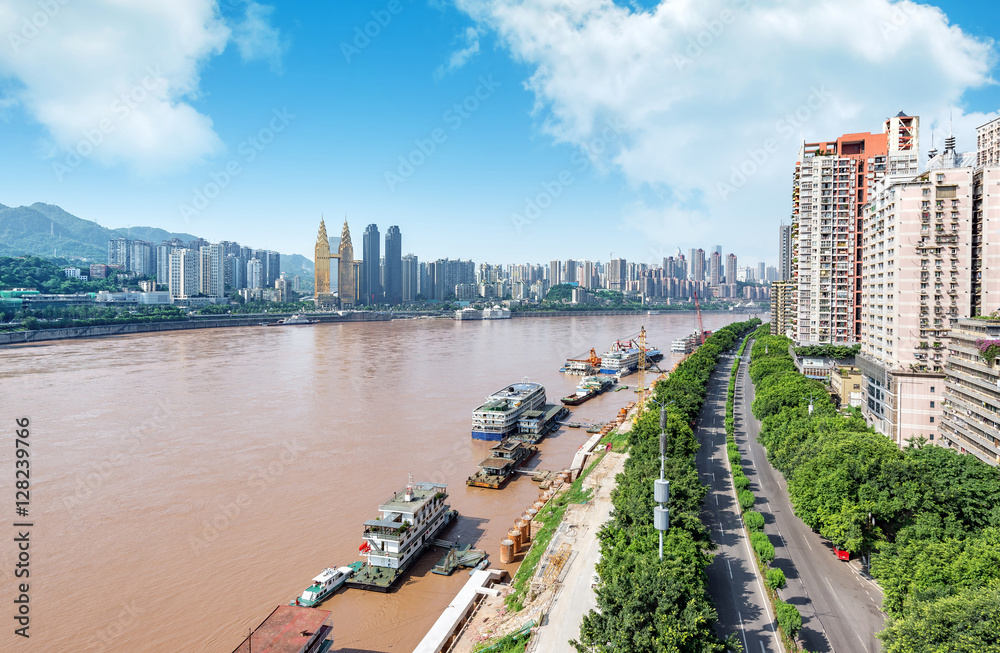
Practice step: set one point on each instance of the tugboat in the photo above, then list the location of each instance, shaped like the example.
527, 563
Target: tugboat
590, 387
325, 584
505, 457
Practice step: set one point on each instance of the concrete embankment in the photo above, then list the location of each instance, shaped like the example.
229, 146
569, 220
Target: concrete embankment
105, 330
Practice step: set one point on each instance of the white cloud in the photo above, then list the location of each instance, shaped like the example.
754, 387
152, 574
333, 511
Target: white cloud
111, 81
702, 86
257, 39
461, 56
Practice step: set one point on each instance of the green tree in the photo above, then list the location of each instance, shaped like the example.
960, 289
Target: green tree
968, 622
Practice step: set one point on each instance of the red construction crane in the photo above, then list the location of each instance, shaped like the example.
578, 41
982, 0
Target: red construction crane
701, 327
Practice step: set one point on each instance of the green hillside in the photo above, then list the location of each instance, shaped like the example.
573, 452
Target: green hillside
47, 230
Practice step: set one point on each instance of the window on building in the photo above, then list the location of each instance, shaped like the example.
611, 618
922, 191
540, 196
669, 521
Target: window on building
932, 404
932, 388
932, 420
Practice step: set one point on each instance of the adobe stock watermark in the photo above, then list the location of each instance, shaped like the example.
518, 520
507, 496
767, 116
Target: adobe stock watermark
454, 117
787, 127
97, 474
104, 638
706, 37
553, 188
899, 16
258, 481
364, 34
120, 110
30, 27
249, 149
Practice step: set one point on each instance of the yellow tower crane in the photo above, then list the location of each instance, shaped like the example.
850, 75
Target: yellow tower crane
641, 370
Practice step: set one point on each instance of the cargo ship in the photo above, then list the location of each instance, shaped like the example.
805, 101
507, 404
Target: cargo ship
407, 524
499, 417
590, 387
505, 457
325, 584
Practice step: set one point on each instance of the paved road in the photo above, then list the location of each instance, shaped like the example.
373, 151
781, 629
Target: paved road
734, 582
840, 609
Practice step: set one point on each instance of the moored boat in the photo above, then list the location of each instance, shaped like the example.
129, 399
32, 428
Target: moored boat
589, 388
500, 416
407, 523
292, 321
325, 584
504, 459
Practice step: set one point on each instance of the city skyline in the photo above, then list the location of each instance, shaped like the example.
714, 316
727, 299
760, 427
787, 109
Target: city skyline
443, 120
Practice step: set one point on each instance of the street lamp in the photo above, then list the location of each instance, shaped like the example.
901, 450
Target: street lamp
661, 486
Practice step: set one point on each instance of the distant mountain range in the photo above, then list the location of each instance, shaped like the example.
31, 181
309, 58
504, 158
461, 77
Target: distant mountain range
47, 230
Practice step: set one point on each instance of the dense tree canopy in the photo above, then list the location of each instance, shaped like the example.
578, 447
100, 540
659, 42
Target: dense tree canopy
645, 605
928, 516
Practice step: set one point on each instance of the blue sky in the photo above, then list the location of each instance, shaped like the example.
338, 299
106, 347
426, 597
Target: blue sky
497, 130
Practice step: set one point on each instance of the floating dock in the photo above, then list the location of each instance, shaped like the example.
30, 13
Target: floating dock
462, 555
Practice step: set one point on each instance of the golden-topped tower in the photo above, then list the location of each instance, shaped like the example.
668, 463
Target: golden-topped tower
345, 273
322, 264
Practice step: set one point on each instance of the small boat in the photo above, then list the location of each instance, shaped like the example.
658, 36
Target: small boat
293, 320
590, 387
326, 583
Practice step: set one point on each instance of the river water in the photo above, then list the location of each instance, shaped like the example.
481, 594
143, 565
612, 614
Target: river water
185, 484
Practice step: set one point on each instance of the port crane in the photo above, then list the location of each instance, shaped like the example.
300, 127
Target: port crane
701, 327
593, 360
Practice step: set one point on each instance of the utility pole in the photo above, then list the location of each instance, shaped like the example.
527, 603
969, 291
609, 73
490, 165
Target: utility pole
661, 487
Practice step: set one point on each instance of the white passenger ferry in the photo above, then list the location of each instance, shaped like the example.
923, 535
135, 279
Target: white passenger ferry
499, 416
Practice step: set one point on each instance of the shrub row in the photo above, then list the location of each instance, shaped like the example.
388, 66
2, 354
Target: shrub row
753, 520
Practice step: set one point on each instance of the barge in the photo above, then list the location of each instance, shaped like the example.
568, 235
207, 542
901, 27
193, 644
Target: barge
505, 457
408, 522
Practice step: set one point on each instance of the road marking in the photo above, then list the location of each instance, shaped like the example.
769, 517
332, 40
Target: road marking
716, 499
809, 545
740, 615
713, 477
728, 564
762, 649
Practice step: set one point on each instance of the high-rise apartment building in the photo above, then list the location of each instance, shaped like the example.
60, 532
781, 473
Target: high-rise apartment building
731, 268
555, 276
184, 273
587, 274
697, 265
371, 286
715, 270
972, 390
761, 272
212, 273
918, 250
782, 308
831, 185
255, 273
410, 274
618, 274
393, 272
569, 271
988, 144
785, 252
